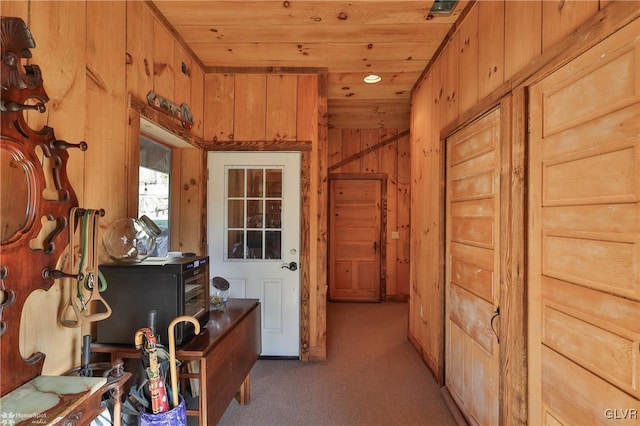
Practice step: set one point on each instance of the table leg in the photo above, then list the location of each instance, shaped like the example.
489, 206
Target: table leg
244, 393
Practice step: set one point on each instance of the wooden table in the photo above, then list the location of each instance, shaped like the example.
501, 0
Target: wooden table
225, 350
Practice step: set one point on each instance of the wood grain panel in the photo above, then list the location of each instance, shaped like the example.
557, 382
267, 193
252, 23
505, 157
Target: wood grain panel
404, 215
218, 107
469, 384
140, 22
354, 250
560, 17
578, 397
474, 208
593, 85
473, 279
365, 113
605, 175
472, 315
522, 34
593, 305
583, 272
473, 187
370, 163
468, 69
59, 29
473, 231
182, 76
106, 126
458, 376
451, 57
197, 100
491, 46
484, 402
281, 100
249, 112
605, 262
307, 108
600, 218
388, 163
304, 33
345, 233
351, 146
191, 201
473, 255
335, 148
614, 128
378, 12
473, 143
343, 275
164, 62
595, 348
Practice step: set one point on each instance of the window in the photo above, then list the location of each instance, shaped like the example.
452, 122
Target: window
253, 204
154, 180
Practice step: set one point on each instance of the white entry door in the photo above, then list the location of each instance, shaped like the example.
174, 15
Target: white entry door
253, 215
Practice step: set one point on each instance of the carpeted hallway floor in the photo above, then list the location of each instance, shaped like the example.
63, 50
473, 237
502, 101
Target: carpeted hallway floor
372, 376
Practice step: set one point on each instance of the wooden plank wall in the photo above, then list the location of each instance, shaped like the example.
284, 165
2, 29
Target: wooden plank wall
89, 66
495, 46
124, 60
393, 159
282, 110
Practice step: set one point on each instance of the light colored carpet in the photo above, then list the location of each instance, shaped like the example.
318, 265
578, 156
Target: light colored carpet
372, 376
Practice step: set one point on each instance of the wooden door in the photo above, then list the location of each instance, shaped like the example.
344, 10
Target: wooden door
472, 268
355, 245
584, 238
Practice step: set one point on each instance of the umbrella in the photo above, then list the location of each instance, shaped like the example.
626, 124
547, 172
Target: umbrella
157, 391
172, 352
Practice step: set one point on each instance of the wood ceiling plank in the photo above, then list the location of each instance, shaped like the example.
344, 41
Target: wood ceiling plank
309, 54
222, 32
298, 12
392, 38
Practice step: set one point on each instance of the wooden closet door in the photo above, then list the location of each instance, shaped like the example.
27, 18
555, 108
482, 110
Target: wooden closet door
354, 240
584, 238
473, 268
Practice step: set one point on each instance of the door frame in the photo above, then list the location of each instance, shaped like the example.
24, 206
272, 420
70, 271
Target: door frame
382, 177
304, 147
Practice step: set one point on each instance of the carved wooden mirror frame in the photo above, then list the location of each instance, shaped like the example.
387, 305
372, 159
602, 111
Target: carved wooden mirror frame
35, 214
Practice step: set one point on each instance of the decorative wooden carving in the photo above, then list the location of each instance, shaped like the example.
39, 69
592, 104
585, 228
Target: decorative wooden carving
36, 198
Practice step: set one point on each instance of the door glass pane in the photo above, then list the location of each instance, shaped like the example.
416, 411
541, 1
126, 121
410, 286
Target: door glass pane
235, 247
236, 214
254, 183
273, 244
235, 186
274, 183
254, 242
274, 214
254, 214
251, 211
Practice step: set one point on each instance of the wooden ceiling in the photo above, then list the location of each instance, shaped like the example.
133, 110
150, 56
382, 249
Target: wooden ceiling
394, 39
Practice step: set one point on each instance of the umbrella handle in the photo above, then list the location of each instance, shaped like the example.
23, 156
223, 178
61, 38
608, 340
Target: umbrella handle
172, 352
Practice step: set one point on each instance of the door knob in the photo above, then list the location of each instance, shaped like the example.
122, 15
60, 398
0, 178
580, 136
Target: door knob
292, 266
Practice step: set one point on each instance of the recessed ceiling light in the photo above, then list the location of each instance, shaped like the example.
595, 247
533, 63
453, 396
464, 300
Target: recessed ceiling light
372, 78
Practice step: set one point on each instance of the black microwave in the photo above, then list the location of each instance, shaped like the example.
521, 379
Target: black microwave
172, 287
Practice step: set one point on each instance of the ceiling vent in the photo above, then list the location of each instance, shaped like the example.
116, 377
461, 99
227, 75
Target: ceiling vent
443, 7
